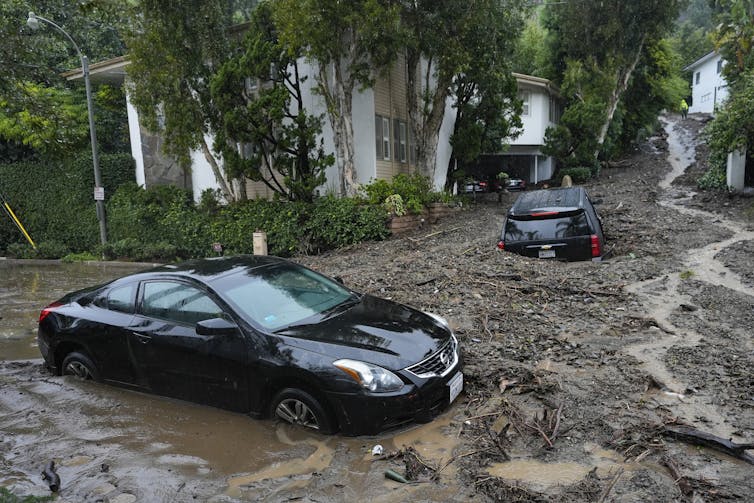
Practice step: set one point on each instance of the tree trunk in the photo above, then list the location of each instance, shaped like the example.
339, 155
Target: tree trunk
225, 187
621, 84
426, 112
339, 105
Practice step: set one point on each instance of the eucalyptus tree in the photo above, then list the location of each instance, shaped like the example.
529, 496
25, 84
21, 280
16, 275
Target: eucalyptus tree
596, 47
348, 44
459, 50
175, 50
259, 94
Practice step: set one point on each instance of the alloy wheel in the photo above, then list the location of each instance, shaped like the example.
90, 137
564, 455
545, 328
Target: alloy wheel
78, 369
297, 412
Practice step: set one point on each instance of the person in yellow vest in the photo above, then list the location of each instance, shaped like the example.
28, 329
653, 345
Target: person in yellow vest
684, 109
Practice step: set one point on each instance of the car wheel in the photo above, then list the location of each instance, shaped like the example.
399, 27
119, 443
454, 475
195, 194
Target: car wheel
295, 406
79, 365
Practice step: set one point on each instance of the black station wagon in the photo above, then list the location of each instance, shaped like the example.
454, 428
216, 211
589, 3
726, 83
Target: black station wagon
558, 223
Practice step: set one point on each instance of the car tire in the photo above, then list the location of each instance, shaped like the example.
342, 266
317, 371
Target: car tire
296, 406
79, 365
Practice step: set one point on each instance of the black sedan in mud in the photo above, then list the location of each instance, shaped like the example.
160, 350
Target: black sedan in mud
259, 335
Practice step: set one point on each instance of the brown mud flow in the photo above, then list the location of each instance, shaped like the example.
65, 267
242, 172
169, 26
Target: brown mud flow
572, 370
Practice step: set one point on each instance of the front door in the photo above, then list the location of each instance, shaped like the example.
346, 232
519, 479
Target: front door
173, 360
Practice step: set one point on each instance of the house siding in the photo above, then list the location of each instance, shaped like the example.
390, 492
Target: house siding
712, 89
391, 102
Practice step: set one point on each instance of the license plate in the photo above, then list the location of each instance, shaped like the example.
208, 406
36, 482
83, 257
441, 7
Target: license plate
546, 253
455, 386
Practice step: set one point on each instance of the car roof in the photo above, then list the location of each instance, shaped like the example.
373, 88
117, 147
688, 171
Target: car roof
563, 199
210, 269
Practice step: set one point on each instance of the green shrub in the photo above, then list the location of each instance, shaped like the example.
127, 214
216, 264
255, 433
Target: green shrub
52, 250
715, 178
340, 222
20, 250
53, 199
394, 205
80, 257
283, 221
415, 190
578, 175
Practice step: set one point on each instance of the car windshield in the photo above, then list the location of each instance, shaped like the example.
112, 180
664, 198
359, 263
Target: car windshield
279, 295
546, 228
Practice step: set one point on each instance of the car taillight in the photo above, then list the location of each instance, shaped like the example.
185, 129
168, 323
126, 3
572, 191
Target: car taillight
501, 244
46, 311
596, 252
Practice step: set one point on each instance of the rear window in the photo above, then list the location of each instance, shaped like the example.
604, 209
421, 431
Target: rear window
546, 228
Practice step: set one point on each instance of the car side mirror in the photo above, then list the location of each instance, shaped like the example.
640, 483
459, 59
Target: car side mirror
339, 279
216, 326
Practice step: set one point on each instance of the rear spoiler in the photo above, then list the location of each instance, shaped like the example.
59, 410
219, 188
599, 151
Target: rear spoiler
542, 213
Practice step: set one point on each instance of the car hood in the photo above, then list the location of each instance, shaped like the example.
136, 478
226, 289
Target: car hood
373, 330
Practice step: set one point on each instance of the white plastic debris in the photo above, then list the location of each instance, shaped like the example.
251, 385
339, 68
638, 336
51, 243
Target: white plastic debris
377, 450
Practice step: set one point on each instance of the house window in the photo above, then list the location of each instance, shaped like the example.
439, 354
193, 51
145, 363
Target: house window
697, 78
524, 96
706, 97
386, 138
402, 139
719, 65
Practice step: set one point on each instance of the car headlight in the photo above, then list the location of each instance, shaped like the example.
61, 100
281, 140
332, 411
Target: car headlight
371, 377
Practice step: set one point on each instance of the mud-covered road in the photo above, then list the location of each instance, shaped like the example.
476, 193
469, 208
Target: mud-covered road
579, 376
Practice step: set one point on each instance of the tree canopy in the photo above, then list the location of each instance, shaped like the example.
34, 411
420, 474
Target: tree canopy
596, 48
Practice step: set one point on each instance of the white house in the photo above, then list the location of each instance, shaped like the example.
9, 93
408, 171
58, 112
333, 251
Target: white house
542, 105
383, 145
708, 87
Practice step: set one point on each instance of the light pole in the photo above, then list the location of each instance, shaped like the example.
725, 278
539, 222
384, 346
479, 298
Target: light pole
99, 194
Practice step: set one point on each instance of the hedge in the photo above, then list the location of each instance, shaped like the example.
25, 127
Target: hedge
54, 199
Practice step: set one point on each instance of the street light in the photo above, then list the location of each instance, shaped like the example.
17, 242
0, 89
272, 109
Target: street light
99, 194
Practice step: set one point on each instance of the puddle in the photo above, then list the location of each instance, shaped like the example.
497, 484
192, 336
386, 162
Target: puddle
26, 287
543, 475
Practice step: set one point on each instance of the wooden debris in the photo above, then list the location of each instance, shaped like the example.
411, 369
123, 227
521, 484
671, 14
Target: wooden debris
689, 434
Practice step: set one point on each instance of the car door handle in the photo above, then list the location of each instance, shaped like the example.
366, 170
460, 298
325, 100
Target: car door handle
143, 338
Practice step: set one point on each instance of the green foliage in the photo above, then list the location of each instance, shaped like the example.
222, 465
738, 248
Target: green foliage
733, 37
54, 200
171, 86
80, 257
578, 175
133, 249
282, 221
337, 222
487, 108
415, 191
531, 55
47, 119
714, 179
162, 223
45, 250
732, 129
393, 204
598, 46
8, 497
281, 137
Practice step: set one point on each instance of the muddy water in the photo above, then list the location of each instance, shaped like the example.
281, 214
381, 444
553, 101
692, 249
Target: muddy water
28, 286
661, 296
158, 449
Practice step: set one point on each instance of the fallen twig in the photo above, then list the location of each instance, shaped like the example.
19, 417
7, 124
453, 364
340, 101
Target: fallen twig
690, 434
610, 486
